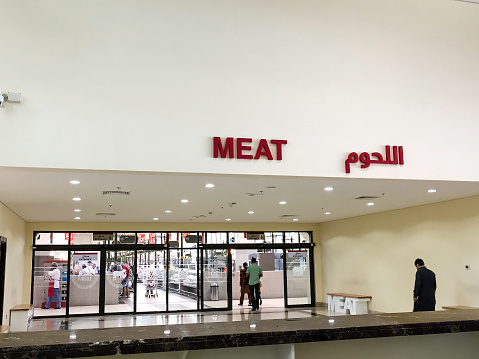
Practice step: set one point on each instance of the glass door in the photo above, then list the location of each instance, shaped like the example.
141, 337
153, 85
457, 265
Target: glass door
119, 281
298, 277
215, 279
84, 288
151, 280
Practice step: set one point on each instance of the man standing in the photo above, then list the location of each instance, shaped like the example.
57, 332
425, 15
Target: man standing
54, 277
424, 288
254, 273
244, 285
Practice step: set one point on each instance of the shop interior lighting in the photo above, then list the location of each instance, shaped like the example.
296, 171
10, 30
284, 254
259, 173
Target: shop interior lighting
76, 198
370, 204
251, 212
77, 218
328, 188
295, 219
74, 182
77, 210
167, 211
327, 213
432, 190
184, 201
209, 185
282, 202
228, 219
155, 219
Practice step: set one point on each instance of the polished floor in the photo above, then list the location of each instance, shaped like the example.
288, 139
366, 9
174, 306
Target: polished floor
271, 309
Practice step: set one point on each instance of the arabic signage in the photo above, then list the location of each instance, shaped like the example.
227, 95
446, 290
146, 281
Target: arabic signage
241, 148
366, 159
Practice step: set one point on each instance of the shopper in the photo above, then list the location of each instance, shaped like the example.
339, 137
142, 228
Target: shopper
54, 276
126, 280
244, 285
254, 273
424, 288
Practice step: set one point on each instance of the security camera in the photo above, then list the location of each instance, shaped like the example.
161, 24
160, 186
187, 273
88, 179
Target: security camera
2, 100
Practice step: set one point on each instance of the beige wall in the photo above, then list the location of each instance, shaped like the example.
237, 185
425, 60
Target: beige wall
186, 227
12, 227
375, 254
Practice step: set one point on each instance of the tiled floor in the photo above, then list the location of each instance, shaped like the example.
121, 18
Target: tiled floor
271, 309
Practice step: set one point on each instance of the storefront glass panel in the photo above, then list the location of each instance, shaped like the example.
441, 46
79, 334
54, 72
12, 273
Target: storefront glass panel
119, 281
151, 281
84, 286
50, 285
49, 238
298, 276
182, 279
215, 278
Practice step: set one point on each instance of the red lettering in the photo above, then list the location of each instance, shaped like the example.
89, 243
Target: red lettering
279, 152
228, 149
240, 148
263, 150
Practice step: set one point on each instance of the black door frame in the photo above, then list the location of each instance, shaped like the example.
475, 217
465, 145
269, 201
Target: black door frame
3, 259
102, 248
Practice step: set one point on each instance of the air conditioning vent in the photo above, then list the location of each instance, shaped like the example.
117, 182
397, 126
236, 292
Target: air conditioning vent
255, 194
367, 197
105, 214
116, 193
288, 216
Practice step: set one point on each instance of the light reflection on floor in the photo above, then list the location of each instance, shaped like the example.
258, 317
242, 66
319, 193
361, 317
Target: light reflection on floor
239, 313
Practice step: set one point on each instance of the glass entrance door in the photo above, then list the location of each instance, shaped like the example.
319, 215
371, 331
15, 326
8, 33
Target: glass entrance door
84, 288
151, 280
119, 281
298, 277
215, 279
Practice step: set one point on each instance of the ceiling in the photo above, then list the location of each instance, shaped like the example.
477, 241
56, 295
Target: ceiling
40, 195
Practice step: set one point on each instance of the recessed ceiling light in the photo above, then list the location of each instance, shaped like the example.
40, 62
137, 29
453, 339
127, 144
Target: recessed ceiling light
295, 219
77, 210
76, 198
74, 182
432, 190
155, 219
228, 219
184, 201
167, 211
209, 185
282, 202
77, 218
250, 212
328, 188
328, 213
370, 204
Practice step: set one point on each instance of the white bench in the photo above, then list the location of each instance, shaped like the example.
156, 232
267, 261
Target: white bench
347, 303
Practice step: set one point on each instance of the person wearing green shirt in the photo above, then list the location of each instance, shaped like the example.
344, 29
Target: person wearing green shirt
254, 273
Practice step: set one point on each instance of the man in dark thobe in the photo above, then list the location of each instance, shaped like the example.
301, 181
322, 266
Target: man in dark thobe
424, 288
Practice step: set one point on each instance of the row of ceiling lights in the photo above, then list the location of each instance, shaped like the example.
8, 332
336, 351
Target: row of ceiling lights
211, 185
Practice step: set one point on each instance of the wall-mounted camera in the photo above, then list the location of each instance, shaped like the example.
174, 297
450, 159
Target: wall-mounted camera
10, 97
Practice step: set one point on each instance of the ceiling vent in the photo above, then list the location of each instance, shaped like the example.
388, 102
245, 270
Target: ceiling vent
116, 193
105, 214
260, 193
288, 216
368, 197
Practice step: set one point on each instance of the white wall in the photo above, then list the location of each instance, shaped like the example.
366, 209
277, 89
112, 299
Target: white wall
12, 227
122, 85
375, 254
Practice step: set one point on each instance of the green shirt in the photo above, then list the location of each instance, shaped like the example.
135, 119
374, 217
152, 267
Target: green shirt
254, 272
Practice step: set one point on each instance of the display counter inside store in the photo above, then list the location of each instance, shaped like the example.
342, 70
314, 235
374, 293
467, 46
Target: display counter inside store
287, 334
